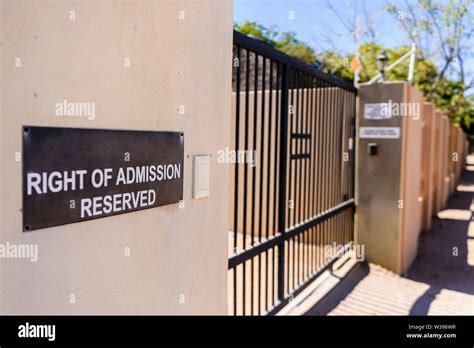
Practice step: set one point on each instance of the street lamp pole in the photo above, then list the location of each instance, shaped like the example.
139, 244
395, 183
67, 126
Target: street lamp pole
381, 60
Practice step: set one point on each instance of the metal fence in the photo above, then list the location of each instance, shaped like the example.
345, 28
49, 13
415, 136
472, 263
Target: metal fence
292, 201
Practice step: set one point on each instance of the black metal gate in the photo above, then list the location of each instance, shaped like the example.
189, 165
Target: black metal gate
292, 201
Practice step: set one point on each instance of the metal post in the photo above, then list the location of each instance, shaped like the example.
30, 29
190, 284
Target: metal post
411, 69
282, 203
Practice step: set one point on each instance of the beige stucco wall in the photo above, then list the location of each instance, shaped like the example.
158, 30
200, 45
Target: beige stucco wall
176, 255
411, 179
428, 164
415, 169
444, 153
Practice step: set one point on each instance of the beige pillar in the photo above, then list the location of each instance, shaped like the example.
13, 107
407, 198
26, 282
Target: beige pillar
147, 65
428, 164
388, 197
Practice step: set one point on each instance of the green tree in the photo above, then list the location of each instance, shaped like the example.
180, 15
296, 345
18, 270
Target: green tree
442, 30
285, 42
448, 95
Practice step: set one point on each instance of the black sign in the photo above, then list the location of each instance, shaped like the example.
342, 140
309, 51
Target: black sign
72, 175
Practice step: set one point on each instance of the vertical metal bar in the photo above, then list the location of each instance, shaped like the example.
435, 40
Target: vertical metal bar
290, 87
293, 168
318, 154
329, 162
349, 152
309, 190
246, 144
289, 92
298, 175
331, 152
308, 148
311, 175
254, 169
275, 166
340, 147
282, 203
331, 155
343, 227
297, 145
322, 150
317, 148
304, 114
269, 147
340, 159
333, 160
260, 197
236, 175
325, 161
304, 168
301, 162
291, 115
345, 150
353, 106
336, 146
317, 166
307, 171
268, 176
262, 149
353, 119
347, 165
300, 181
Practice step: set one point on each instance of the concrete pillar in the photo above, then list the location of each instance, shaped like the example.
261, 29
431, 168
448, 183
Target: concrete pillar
388, 174
428, 164
445, 162
147, 65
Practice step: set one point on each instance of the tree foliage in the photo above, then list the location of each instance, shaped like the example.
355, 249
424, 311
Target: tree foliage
448, 95
442, 30
285, 42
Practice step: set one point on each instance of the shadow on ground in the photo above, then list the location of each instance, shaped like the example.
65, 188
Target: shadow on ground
441, 262
442, 259
340, 292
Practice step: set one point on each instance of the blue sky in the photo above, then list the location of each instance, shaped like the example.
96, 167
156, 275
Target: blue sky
316, 24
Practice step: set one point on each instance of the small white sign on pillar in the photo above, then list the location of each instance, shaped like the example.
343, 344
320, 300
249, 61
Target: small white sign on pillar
379, 132
377, 111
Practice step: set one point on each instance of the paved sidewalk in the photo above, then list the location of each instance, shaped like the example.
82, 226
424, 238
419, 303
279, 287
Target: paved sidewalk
440, 281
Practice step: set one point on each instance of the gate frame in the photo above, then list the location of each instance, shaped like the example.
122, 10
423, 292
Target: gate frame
265, 50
